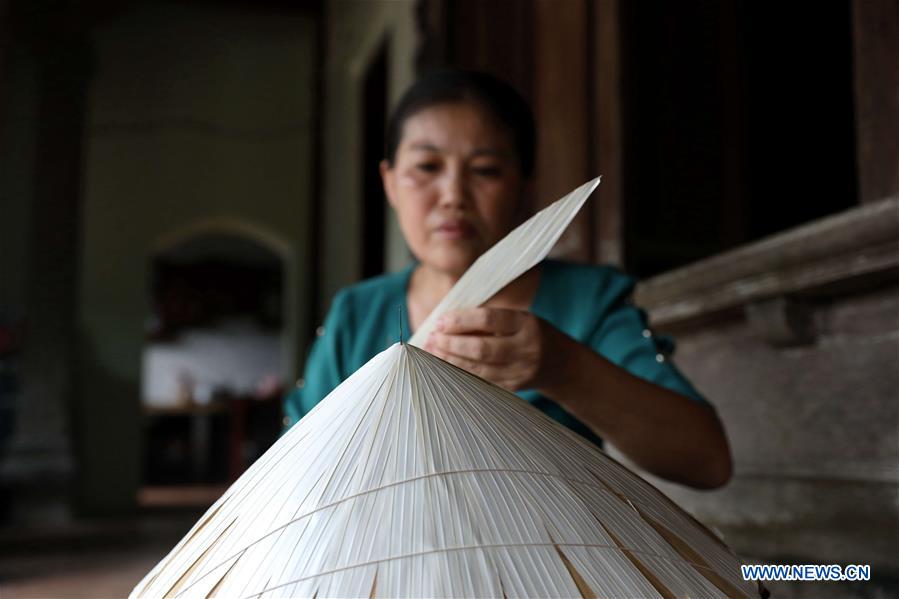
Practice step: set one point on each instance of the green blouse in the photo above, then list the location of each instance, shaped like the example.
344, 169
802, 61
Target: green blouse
589, 303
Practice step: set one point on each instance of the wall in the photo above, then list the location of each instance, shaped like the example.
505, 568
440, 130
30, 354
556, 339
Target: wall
200, 120
355, 30
815, 436
795, 340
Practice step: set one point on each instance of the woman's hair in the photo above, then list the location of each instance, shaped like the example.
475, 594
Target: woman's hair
500, 99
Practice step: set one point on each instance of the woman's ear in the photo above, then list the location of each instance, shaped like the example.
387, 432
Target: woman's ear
388, 179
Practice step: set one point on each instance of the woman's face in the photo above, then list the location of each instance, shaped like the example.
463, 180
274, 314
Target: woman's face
455, 183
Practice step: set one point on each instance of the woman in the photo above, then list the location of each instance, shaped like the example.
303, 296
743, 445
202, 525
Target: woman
460, 155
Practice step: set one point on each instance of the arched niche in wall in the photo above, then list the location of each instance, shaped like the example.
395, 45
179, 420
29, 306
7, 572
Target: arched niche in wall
215, 357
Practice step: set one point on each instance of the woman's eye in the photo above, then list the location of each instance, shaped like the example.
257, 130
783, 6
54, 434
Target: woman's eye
487, 171
427, 167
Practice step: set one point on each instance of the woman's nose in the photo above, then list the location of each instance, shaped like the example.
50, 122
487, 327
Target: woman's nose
454, 191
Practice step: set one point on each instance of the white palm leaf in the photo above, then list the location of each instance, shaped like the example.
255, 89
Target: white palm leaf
414, 478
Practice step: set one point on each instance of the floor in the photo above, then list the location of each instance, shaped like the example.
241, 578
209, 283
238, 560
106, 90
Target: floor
92, 574
97, 559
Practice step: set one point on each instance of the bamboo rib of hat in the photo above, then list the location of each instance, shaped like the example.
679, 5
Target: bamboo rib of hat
414, 478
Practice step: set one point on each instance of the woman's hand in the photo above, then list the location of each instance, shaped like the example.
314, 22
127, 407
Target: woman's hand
510, 348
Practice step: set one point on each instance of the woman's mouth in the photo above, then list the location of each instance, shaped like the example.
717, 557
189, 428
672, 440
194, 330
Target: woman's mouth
455, 230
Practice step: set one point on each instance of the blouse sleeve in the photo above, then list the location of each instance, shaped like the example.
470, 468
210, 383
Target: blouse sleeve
322, 372
624, 338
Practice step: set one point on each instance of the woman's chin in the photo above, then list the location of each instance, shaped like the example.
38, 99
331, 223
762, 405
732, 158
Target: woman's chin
455, 261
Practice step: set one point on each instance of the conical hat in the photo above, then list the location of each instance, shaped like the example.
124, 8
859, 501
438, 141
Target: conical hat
417, 479
414, 478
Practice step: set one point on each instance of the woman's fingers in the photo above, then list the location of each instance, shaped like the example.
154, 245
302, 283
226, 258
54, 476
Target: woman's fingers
502, 346
498, 321
479, 368
479, 348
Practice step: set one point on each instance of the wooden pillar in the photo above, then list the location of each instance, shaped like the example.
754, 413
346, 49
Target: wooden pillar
494, 36
876, 60
39, 461
432, 22
4, 45
608, 133
561, 93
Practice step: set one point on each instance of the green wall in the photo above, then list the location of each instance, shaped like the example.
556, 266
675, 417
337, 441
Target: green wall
200, 120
